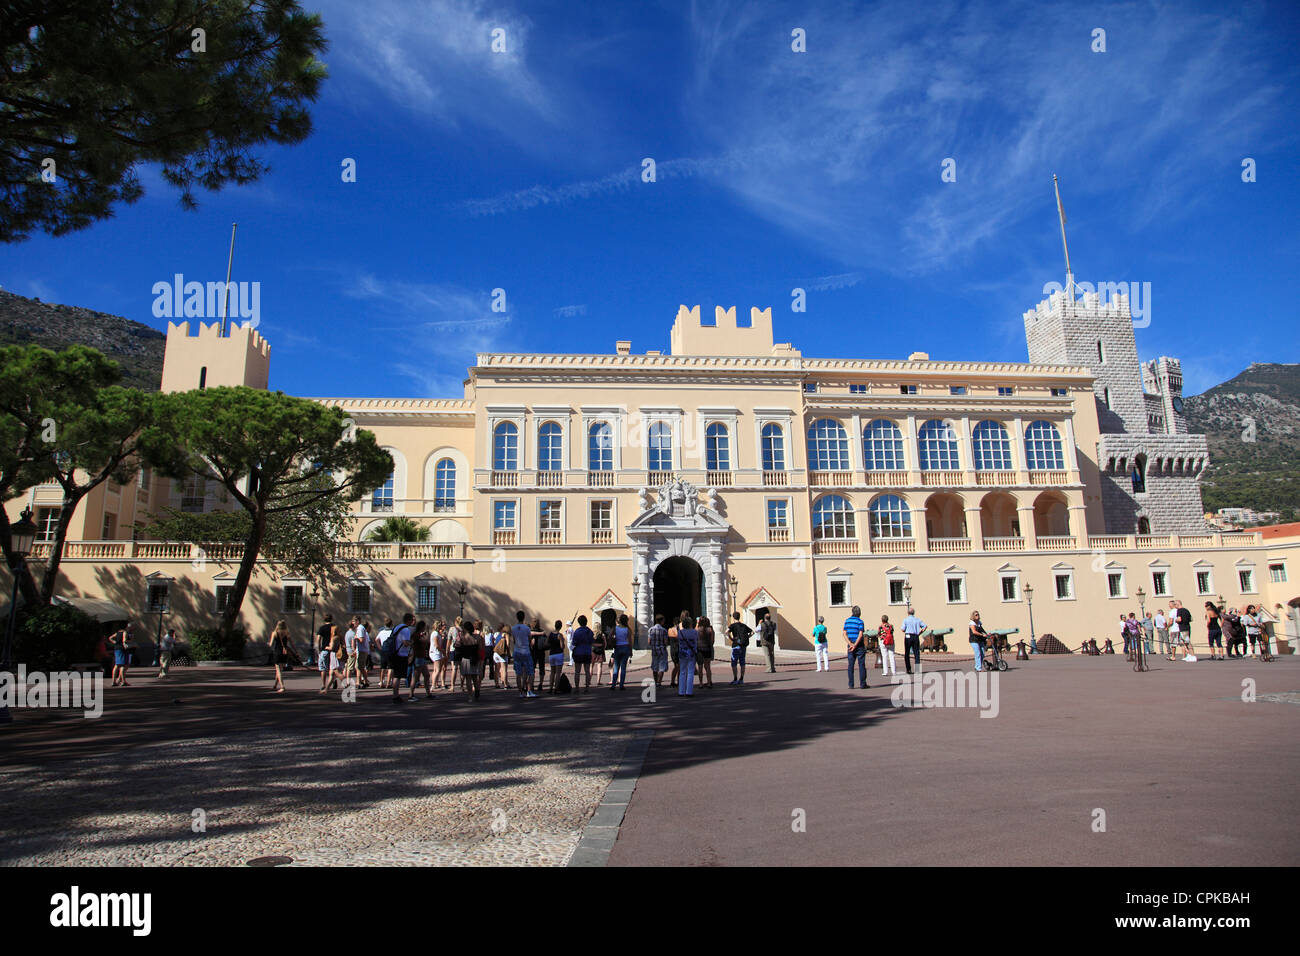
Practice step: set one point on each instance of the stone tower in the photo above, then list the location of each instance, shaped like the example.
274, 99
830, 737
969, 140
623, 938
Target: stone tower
1150, 467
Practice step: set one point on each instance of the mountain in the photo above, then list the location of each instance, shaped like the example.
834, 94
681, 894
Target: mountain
133, 345
1252, 423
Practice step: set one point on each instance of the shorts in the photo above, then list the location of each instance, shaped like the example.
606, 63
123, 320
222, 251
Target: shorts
119, 658
469, 667
1216, 638
738, 655
582, 660
673, 653
398, 666
421, 662
704, 653
353, 660
557, 660
659, 659
323, 662
365, 660
598, 654
523, 665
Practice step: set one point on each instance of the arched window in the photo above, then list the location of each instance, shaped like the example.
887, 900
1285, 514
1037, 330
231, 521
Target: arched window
717, 446
1139, 474
992, 447
444, 485
832, 517
661, 447
600, 447
1043, 451
890, 517
381, 499
828, 446
773, 448
550, 447
882, 446
505, 447
937, 443
1144, 525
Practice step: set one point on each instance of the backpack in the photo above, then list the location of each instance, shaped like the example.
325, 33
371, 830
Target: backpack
390, 642
562, 686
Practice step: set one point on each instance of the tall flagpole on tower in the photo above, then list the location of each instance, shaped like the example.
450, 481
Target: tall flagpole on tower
230, 260
1069, 275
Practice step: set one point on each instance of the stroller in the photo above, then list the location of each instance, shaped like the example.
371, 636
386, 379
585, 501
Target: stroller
993, 659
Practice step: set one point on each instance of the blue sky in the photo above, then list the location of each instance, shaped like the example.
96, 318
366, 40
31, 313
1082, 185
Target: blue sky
821, 170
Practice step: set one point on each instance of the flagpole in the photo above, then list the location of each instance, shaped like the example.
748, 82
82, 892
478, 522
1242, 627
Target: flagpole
230, 260
1069, 274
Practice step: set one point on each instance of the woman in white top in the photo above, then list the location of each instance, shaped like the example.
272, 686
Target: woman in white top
453, 636
440, 655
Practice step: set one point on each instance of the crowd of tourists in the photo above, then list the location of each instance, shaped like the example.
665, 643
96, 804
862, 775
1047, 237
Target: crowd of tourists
458, 655
1171, 633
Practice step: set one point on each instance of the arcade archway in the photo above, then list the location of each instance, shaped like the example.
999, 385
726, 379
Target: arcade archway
678, 586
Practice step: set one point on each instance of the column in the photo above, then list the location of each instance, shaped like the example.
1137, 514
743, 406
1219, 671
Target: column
974, 530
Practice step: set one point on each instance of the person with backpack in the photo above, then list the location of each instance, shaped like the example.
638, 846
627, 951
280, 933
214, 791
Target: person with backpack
855, 635
583, 639
397, 650
1185, 629
657, 638
324, 638
420, 661
739, 634
1132, 634
767, 631
821, 646
886, 635
704, 652
469, 655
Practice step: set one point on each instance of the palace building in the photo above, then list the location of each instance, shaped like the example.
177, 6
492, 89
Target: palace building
735, 472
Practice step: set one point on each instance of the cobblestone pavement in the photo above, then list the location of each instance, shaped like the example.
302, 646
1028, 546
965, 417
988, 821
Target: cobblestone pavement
349, 797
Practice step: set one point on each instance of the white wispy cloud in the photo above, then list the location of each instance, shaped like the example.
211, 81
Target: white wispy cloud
848, 138
438, 330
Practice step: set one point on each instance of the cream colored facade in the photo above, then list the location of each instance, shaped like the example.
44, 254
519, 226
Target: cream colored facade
735, 470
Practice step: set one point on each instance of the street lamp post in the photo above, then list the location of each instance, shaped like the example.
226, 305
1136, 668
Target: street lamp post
636, 609
733, 584
311, 637
22, 536
1029, 600
1139, 649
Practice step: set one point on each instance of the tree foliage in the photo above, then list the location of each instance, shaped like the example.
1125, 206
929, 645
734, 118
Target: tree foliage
99, 88
278, 456
399, 528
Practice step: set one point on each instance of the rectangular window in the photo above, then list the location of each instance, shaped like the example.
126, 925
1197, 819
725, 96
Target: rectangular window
907, 390
548, 515
110, 528
1246, 579
1060, 392
426, 598
503, 516
839, 593
1005, 391
1277, 573
224, 594
602, 515
1203, 582
144, 479
359, 598
1160, 583
157, 601
857, 389
1010, 588
382, 497
956, 389
291, 599
1115, 584
1064, 587
193, 491
810, 386
777, 513
896, 591
47, 523
956, 590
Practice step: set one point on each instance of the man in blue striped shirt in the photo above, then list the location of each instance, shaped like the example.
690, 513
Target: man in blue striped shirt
855, 634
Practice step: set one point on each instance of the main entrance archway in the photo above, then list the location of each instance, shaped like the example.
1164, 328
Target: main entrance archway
678, 586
